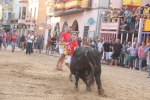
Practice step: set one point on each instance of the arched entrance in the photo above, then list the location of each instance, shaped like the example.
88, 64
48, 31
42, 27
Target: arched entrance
65, 26
75, 26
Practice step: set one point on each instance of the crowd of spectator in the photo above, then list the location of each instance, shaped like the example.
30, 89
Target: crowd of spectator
129, 17
128, 55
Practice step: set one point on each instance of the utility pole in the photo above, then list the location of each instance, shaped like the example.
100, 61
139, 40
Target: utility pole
98, 23
98, 20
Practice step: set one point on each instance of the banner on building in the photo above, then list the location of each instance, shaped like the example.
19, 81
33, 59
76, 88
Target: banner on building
86, 3
132, 3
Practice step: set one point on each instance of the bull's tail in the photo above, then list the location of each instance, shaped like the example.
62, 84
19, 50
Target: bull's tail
90, 78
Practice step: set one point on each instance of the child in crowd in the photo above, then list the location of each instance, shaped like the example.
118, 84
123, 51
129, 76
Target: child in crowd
73, 44
57, 47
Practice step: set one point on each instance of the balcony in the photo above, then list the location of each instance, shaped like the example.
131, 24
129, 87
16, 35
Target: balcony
6, 22
63, 7
23, 1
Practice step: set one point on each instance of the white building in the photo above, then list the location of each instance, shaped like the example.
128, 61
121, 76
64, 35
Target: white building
19, 15
7, 10
24, 16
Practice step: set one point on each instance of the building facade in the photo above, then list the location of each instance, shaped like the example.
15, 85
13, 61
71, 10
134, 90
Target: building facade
7, 11
19, 15
82, 15
41, 20
1, 13
28, 15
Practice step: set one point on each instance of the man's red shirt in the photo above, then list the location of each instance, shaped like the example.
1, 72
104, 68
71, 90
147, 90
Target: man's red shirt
14, 37
66, 36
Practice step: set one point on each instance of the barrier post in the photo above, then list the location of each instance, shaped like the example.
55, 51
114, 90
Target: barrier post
121, 37
127, 37
132, 37
140, 30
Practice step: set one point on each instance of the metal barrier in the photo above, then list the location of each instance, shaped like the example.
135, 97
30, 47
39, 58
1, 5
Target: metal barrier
109, 30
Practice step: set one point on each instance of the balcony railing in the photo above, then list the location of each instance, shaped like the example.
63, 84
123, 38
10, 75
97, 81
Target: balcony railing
109, 30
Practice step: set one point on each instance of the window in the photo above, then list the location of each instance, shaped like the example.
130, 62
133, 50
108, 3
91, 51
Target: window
31, 13
86, 29
24, 13
20, 13
35, 12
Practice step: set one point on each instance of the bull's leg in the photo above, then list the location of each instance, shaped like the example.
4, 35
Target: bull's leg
70, 77
77, 79
99, 85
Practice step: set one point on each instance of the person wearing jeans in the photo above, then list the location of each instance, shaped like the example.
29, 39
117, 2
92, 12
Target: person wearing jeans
124, 48
141, 55
133, 51
147, 51
30, 39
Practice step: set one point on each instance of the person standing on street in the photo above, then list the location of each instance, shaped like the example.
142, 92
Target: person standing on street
14, 40
8, 38
79, 41
22, 41
65, 36
116, 49
106, 47
1, 36
133, 53
4, 39
30, 39
142, 56
39, 45
53, 44
48, 44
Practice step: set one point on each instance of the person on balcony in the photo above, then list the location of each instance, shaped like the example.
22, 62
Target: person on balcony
128, 17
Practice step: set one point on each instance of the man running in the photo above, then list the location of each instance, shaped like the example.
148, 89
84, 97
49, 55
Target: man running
14, 40
65, 36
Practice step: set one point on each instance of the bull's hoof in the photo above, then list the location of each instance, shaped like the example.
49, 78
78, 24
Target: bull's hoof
70, 79
88, 89
101, 92
76, 88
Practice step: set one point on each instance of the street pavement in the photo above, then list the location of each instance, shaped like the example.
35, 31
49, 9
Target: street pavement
43, 51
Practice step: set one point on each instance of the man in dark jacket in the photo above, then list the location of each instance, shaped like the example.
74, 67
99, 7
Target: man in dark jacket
22, 41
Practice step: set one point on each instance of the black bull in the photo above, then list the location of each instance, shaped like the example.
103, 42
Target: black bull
85, 64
